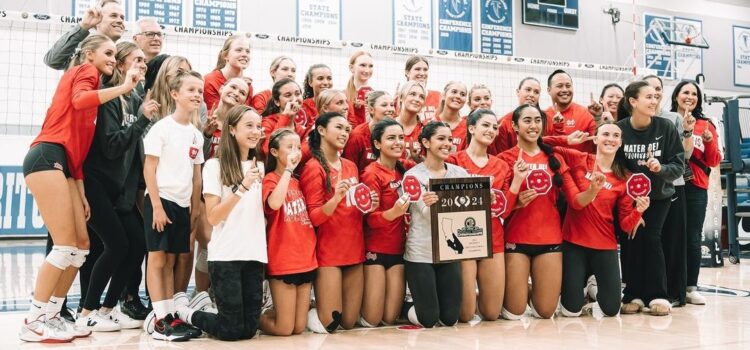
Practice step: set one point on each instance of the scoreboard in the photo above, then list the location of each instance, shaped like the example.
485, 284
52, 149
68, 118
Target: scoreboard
561, 14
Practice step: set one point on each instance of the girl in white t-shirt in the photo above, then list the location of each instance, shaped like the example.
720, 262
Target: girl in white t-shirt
237, 250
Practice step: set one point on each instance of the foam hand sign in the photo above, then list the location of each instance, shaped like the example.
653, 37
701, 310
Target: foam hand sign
362, 198
638, 185
539, 181
411, 185
499, 203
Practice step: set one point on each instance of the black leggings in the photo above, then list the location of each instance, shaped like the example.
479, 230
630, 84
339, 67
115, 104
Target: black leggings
673, 242
238, 288
643, 257
604, 264
122, 236
436, 290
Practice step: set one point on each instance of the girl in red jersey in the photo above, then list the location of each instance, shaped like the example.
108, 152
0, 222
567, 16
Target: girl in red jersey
488, 274
291, 239
417, 69
480, 96
687, 99
451, 102
284, 110
233, 59
317, 79
325, 181
281, 67
590, 242
359, 147
53, 172
360, 64
333, 101
532, 249
385, 228
528, 93
412, 97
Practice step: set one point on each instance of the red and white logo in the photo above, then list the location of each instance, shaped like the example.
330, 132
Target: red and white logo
499, 203
193, 152
411, 186
638, 185
539, 181
362, 198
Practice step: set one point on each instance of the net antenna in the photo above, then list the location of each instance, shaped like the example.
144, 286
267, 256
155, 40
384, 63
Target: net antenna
679, 38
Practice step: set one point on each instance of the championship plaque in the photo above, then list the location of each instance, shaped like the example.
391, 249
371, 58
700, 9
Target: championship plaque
461, 225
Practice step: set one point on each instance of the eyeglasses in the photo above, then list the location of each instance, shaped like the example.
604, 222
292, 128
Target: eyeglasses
152, 35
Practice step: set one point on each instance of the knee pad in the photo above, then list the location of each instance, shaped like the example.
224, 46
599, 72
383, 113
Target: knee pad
510, 316
79, 258
201, 263
61, 256
565, 312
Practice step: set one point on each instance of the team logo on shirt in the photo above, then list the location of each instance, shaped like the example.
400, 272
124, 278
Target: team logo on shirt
370, 156
570, 122
193, 152
371, 256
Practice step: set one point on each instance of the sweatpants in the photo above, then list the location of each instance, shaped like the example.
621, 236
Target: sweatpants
238, 291
121, 234
644, 257
673, 242
604, 264
436, 290
697, 200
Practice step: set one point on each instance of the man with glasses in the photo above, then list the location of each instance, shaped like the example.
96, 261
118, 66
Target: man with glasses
108, 18
149, 37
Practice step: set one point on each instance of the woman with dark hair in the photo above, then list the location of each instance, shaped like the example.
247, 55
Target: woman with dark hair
651, 146
687, 99
605, 109
534, 250
284, 110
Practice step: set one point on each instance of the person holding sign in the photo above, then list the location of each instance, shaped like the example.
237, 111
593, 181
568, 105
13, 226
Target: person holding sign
532, 249
234, 58
488, 274
451, 102
651, 146
605, 110
412, 97
291, 238
359, 147
326, 181
590, 241
480, 96
417, 69
435, 288
281, 67
687, 99
385, 227
360, 65
528, 93
566, 116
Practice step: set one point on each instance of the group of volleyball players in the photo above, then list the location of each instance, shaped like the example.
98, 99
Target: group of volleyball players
305, 188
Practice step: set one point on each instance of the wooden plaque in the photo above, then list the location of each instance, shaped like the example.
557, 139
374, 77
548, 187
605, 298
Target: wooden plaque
461, 225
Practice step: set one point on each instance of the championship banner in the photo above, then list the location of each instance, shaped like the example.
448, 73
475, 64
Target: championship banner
461, 226
688, 61
496, 27
79, 7
19, 215
319, 19
741, 49
165, 11
412, 23
215, 14
656, 52
455, 30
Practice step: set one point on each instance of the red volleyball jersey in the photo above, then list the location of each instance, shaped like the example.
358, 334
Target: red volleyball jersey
71, 118
358, 148
290, 234
212, 83
498, 171
260, 100
277, 121
340, 236
523, 224
381, 235
576, 117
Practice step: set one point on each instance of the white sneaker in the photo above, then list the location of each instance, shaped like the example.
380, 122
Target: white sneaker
40, 331
200, 302
694, 297
68, 326
591, 288
148, 323
314, 324
123, 320
181, 299
97, 323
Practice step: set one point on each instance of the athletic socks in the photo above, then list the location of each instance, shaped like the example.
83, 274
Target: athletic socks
161, 309
36, 309
54, 306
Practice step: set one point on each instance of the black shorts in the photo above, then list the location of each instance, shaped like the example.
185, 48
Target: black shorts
296, 279
46, 156
385, 260
532, 250
175, 238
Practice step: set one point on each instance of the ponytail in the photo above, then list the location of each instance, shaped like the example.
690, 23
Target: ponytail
91, 43
314, 141
552, 161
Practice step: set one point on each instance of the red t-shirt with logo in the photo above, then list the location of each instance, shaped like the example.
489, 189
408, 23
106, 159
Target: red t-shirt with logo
576, 117
381, 235
358, 148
